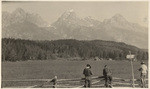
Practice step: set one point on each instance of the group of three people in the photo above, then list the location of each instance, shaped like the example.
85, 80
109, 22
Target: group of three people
107, 75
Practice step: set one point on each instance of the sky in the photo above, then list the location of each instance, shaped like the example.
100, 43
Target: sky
50, 11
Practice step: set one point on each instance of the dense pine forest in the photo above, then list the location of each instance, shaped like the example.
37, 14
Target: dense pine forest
22, 50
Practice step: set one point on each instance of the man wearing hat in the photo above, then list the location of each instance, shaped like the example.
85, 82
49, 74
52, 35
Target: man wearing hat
143, 70
87, 73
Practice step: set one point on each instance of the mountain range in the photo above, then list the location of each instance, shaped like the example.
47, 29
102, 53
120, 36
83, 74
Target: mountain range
25, 25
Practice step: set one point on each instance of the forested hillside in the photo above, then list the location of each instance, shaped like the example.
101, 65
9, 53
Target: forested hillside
17, 49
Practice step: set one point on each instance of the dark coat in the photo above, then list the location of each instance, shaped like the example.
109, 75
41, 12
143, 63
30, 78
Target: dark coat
106, 72
87, 72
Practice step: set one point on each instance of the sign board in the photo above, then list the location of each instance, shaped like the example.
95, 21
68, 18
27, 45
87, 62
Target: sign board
130, 56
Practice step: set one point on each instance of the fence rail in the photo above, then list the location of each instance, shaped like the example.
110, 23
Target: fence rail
96, 82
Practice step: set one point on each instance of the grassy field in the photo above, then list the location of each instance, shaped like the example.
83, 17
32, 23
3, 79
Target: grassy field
64, 69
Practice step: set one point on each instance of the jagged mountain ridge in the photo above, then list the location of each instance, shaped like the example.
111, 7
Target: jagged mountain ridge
19, 16
26, 30
116, 28
70, 26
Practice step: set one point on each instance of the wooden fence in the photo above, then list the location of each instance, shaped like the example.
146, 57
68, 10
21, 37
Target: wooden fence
97, 82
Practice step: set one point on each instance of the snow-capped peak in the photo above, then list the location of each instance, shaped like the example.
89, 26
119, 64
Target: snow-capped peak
19, 10
119, 17
69, 14
69, 11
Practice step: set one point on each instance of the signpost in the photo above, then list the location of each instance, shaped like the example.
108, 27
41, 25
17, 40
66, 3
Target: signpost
131, 59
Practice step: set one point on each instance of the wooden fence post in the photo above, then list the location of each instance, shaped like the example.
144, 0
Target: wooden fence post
132, 70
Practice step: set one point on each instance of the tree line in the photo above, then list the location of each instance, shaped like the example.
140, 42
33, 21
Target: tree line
21, 50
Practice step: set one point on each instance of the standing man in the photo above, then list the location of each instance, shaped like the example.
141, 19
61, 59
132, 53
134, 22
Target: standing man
108, 76
87, 73
143, 70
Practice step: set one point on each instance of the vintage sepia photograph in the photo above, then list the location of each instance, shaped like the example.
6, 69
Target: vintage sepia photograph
74, 44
